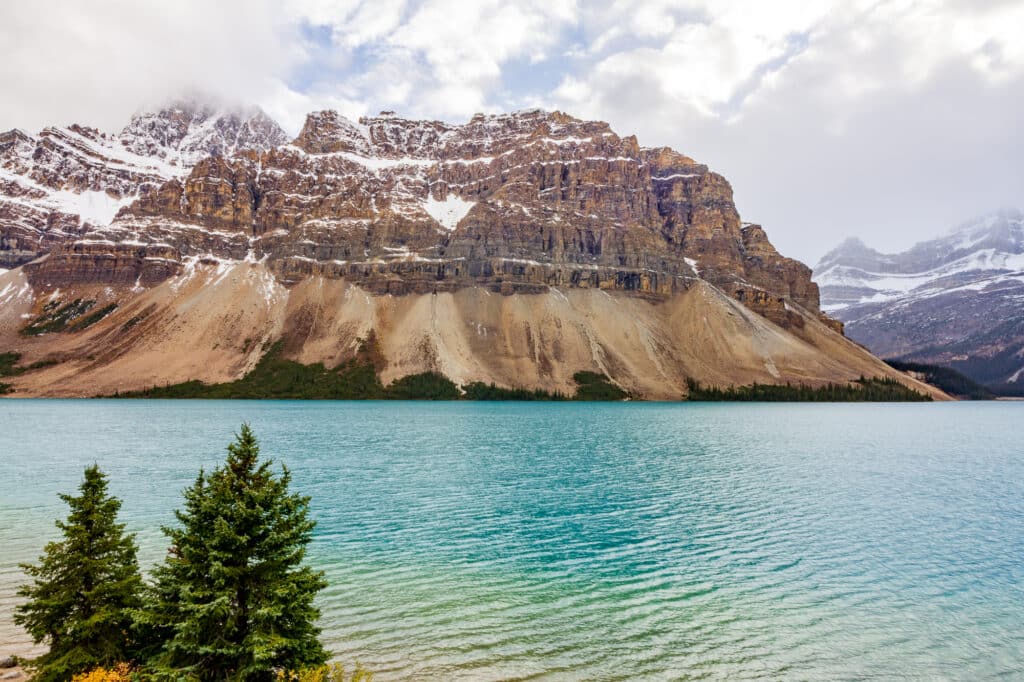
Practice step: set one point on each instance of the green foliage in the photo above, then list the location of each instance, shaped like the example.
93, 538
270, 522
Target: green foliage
946, 378
132, 322
8, 368
68, 317
425, 386
84, 587
233, 600
122, 672
860, 390
478, 390
594, 386
275, 377
92, 318
7, 364
57, 317
138, 318
334, 672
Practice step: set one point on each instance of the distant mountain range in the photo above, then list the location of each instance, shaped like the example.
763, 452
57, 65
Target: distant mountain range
522, 249
957, 300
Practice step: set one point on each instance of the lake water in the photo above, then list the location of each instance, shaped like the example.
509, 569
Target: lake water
484, 541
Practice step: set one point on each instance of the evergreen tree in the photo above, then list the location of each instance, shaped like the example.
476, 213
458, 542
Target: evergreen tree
233, 601
85, 587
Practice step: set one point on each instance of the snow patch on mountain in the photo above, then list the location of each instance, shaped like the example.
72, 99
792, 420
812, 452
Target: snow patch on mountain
449, 211
96, 208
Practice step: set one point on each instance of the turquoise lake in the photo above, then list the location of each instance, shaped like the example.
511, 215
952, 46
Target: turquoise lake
487, 541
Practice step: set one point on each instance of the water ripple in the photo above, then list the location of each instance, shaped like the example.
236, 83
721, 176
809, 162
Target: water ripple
580, 542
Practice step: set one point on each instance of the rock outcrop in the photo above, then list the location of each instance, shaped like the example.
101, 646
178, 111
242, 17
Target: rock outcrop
518, 202
65, 181
517, 249
187, 132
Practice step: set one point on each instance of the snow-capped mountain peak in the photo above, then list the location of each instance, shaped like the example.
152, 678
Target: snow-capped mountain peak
990, 246
953, 299
1003, 230
65, 180
185, 132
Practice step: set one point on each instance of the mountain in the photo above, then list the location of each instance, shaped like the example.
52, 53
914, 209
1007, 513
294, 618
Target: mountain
517, 249
957, 300
185, 133
59, 183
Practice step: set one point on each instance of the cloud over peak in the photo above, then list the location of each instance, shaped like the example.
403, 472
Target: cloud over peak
884, 118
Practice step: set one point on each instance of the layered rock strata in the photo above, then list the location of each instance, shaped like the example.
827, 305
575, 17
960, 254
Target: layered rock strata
517, 249
517, 202
65, 181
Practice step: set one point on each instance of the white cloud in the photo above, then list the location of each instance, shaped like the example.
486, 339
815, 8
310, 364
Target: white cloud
96, 62
289, 108
708, 53
324, 12
371, 21
892, 118
446, 54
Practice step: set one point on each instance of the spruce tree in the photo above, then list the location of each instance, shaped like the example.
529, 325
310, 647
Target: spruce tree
84, 587
233, 600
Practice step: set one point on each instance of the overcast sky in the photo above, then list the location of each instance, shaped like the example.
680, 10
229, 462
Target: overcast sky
892, 121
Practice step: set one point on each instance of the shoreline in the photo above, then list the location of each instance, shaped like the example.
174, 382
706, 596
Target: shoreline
681, 401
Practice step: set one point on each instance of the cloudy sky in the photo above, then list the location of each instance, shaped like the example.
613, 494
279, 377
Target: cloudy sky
889, 120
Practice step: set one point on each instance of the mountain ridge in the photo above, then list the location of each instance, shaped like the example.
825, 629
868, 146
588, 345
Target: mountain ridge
420, 170
57, 184
540, 208
953, 300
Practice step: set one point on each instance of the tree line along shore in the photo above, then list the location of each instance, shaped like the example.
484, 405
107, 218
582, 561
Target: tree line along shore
277, 378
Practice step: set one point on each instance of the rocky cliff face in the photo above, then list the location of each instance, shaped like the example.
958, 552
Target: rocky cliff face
517, 249
185, 133
214, 321
519, 202
61, 183
954, 300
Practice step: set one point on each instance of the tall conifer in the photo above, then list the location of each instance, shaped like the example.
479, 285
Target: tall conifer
233, 600
85, 587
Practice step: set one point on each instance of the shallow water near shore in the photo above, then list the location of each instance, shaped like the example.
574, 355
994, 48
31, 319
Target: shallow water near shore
484, 541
